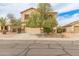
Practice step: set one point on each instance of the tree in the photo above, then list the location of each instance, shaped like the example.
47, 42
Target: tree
44, 8
33, 20
43, 19
13, 25
12, 20
3, 24
2, 21
48, 22
10, 16
16, 25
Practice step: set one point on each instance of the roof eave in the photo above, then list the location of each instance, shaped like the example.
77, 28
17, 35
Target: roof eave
26, 10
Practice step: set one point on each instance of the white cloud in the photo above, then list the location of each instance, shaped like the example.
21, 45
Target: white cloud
14, 8
64, 8
61, 8
63, 20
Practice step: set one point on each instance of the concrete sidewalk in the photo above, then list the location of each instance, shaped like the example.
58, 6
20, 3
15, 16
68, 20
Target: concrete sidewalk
30, 36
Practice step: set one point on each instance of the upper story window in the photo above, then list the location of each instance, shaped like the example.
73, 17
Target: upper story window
26, 16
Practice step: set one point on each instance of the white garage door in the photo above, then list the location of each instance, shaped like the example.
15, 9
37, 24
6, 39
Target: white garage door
76, 28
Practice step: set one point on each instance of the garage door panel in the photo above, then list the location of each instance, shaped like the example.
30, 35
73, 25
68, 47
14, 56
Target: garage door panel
76, 28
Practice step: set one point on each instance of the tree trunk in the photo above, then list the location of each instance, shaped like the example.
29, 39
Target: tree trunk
4, 31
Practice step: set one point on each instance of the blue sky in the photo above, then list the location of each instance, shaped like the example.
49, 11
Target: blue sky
67, 12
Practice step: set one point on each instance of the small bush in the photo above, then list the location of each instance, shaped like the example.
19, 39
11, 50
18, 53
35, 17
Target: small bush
47, 30
59, 30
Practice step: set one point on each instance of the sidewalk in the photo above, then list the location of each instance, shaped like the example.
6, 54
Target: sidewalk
28, 36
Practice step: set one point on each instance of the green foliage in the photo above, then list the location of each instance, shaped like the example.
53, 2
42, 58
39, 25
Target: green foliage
59, 30
47, 30
18, 23
47, 26
44, 8
48, 22
10, 16
34, 21
42, 19
3, 24
2, 21
15, 23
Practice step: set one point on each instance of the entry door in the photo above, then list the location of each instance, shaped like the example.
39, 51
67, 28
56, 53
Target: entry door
6, 28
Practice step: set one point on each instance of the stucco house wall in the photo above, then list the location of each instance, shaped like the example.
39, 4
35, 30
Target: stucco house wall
29, 12
76, 27
72, 27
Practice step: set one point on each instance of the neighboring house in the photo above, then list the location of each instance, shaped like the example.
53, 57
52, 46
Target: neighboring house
72, 27
7, 27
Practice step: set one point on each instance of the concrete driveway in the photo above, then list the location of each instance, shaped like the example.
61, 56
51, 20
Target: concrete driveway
39, 48
30, 45
71, 35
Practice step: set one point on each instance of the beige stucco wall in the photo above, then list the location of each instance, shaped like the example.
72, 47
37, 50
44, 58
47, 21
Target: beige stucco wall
76, 28
32, 30
0, 28
76, 24
70, 29
28, 13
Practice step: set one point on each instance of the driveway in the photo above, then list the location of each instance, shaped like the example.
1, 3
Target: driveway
30, 45
71, 35
39, 48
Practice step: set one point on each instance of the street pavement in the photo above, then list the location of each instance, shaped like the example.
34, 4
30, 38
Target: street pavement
39, 48
27, 44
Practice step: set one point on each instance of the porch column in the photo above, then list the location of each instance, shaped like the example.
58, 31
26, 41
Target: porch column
0, 28
9, 29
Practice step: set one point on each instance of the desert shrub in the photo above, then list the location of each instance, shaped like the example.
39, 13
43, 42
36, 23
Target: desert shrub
47, 30
59, 30
47, 26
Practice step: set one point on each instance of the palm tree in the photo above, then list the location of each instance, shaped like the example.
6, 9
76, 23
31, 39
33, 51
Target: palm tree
16, 25
3, 24
13, 21
13, 25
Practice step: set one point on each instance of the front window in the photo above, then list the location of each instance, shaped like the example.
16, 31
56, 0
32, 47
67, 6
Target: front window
26, 16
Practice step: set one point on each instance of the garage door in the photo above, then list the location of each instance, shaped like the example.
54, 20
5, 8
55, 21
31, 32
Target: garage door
76, 29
